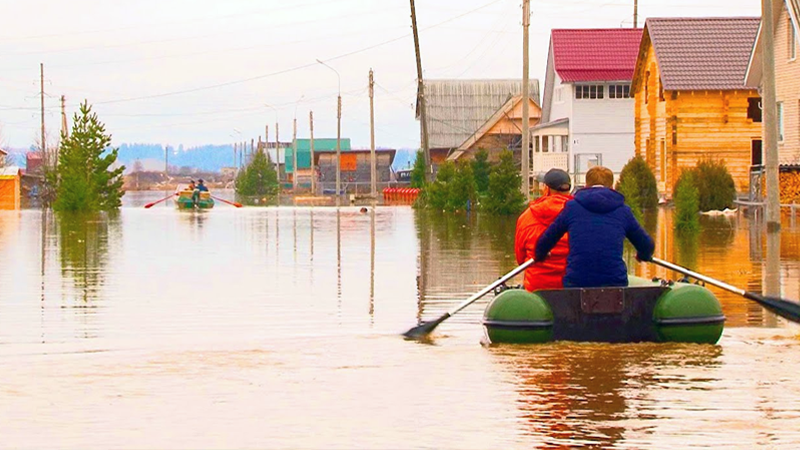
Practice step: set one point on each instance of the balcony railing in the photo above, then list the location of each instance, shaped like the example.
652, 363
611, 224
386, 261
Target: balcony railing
542, 162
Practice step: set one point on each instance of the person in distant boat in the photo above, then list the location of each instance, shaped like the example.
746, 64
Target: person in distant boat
530, 226
191, 186
598, 221
201, 187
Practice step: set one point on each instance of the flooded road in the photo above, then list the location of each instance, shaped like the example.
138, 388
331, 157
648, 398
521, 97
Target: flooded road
278, 327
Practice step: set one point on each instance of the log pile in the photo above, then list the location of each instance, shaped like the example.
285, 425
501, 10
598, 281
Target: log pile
789, 183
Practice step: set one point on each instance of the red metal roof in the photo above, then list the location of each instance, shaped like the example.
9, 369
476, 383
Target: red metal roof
595, 54
703, 53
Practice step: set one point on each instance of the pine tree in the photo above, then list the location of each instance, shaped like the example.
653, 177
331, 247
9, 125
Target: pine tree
258, 178
84, 179
481, 168
504, 194
418, 172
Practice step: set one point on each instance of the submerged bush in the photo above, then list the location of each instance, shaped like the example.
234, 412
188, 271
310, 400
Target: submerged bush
418, 172
687, 202
715, 185
452, 190
638, 183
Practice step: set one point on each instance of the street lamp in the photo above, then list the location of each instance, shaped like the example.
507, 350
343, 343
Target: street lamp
338, 133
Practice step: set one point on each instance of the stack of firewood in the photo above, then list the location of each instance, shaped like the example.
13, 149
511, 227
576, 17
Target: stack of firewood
790, 186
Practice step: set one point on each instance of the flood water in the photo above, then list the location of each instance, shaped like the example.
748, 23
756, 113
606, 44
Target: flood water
279, 328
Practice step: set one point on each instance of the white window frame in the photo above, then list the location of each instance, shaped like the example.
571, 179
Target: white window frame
780, 122
599, 94
613, 89
792, 42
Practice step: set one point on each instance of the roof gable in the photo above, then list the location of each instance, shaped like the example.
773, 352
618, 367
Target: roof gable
503, 112
701, 53
456, 108
595, 54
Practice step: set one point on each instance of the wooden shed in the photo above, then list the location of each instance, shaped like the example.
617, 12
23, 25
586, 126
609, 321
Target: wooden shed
691, 100
9, 188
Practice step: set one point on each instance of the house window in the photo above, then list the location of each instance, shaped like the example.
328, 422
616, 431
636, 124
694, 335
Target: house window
559, 91
780, 121
754, 109
792, 41
589, 91
756, 153
619, 91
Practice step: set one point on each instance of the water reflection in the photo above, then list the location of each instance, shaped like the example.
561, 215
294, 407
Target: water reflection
83, 242
590, 394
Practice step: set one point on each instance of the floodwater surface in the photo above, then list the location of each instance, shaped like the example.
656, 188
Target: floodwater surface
279, 327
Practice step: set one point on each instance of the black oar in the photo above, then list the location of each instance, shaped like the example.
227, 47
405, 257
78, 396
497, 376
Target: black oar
425, 328
784, 308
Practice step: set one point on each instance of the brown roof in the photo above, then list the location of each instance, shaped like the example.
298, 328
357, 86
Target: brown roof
702, 53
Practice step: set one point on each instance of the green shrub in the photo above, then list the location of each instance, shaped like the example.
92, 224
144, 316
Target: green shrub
504, 195
481, 168
715, 185
638, 181
687, 202
453, 189
630, 189
418, 172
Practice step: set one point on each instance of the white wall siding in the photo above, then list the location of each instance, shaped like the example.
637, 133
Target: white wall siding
563, 108
604, 126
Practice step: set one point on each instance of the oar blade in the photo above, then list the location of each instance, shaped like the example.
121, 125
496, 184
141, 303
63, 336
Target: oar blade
424, 329
784, 308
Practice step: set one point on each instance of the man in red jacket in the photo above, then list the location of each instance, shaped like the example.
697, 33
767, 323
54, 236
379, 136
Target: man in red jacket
530, 226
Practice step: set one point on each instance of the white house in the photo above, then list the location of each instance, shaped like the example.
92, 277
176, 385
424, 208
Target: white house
587, 111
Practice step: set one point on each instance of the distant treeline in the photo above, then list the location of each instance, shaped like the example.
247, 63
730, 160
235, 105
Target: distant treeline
209, 158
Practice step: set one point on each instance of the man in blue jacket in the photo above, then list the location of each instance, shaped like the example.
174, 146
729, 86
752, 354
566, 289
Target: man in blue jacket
598, 221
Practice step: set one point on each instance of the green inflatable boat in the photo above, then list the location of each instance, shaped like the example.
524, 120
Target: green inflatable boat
645, 311
184, 201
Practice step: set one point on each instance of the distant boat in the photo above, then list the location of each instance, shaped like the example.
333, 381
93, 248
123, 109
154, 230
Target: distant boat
184, 200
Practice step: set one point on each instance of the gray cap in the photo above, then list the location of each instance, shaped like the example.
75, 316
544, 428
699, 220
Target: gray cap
557, 179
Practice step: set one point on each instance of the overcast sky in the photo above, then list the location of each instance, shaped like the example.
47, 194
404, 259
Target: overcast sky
202, 71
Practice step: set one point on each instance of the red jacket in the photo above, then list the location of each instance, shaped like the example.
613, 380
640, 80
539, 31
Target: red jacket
530, 226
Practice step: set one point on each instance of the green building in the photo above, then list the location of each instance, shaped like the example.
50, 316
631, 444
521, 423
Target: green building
304, 152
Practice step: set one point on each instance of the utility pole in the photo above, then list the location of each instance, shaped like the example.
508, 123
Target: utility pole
526, 145
773, 212
64, 129
45, 155
373, 165
338, 150
277, 153
311, 143
635, 13
294, 155
421, 97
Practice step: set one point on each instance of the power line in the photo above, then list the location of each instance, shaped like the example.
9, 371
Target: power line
289, 70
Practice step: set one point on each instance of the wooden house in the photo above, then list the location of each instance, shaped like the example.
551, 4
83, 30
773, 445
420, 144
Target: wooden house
691, 102
786, 29
587, 111
501, 131
459, 110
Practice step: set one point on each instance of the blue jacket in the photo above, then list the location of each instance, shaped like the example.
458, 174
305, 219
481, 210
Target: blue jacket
598, 221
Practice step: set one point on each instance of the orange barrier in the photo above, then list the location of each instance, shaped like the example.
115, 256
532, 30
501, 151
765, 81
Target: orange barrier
400, 195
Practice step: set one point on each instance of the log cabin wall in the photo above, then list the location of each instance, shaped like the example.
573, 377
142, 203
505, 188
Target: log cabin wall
675, 130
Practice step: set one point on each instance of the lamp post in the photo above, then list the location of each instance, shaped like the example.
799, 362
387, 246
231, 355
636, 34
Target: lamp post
338, 133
